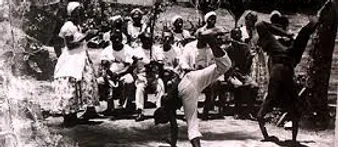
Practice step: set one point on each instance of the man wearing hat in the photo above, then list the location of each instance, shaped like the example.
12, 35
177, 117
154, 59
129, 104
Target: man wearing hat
147, 79
210, 21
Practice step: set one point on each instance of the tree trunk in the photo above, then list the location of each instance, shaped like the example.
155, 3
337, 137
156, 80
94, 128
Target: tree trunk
320, 66
336, 134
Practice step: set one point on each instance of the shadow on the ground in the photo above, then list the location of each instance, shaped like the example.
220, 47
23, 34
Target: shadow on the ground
289, 143
228, 136
120, 133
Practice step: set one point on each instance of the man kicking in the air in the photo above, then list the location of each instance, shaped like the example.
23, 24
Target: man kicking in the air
193, 83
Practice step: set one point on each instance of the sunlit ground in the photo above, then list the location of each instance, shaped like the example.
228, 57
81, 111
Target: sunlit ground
226, 132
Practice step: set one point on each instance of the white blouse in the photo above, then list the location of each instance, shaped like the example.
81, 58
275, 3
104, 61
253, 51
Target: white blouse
71, 62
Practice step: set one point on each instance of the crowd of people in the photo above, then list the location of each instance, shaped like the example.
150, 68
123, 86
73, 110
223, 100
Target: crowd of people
211, 60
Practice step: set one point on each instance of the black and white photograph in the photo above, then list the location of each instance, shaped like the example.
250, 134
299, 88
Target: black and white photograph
168, 73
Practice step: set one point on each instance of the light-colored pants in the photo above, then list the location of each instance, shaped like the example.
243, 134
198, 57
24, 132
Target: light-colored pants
141, 85
193, 84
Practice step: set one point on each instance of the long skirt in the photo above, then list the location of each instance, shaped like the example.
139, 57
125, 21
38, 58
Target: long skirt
260, 73
73, 96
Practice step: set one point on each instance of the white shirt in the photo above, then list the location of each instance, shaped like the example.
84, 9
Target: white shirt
140, 52
245, 35
181, 36
170, 58
117, 58
193, 58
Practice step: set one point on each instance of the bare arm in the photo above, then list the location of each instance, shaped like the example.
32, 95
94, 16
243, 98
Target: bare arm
264, 28
72, 42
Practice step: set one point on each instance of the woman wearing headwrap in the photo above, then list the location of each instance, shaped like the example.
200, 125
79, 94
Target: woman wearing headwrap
180, 35
75, 82
135, 27
259, 68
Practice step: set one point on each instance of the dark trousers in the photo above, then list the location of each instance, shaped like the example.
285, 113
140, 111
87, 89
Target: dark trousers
282, 60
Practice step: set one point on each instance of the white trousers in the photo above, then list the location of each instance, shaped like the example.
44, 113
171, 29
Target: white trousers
193, 84
140, 92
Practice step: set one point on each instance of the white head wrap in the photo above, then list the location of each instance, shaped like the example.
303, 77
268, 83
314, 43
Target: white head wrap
175, 18
72, 6
136, 10
275, 12
209, 14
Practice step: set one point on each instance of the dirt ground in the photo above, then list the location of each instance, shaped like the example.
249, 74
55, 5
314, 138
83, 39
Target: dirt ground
226, 132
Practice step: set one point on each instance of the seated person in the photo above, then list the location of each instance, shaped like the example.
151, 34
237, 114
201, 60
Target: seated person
146, 80
115, 69
245, 88
169, 53
116, 23
181, 36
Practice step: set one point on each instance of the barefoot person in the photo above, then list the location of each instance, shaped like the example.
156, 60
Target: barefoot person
190, 87
284, 55
194, 82
75, 82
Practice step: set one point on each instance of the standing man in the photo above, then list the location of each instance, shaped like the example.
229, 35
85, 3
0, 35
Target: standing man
205, 58
135, 27
284, 55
